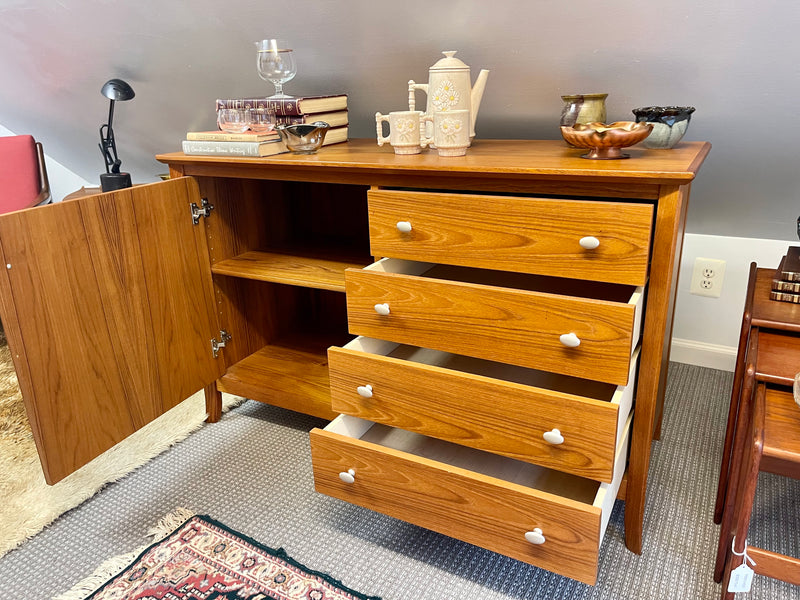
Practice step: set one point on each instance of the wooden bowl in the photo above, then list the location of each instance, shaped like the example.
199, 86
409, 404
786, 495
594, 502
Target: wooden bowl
606, 141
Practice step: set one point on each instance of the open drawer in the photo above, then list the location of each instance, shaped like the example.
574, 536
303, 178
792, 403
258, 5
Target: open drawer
577, 328
540, 516
599, 240
569, 424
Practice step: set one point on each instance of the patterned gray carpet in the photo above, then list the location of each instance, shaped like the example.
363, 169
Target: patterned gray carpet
252, 471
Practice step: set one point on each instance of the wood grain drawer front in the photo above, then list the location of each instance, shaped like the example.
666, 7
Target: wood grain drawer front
528, 235
459, 310
572, 425
477, 497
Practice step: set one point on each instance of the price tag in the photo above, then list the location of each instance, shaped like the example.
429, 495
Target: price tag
741, 579
742, 576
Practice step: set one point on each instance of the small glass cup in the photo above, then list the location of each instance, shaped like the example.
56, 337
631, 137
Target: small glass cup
262, 120
233, 120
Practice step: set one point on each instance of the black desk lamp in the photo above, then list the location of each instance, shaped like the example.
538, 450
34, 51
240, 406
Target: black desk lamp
112, 179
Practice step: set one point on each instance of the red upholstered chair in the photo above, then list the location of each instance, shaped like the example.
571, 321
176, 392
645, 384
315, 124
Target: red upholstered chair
23, 175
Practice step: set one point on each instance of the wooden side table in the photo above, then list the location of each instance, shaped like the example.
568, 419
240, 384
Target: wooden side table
763, 431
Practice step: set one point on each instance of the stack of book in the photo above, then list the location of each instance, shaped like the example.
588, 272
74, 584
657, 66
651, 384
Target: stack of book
219, 143
305, 109
786, 283
302, 109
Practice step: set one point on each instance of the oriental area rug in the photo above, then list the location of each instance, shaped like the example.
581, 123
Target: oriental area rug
203, 559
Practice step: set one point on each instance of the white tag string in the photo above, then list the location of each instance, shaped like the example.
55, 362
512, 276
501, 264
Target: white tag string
742, 553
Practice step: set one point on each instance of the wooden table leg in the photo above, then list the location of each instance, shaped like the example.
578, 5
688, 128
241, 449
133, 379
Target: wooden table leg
213, 403
667, 242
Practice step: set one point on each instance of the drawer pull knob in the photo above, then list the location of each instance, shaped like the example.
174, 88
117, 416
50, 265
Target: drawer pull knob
349, 476
589, 242
535, 536
404, 226
570, 340
382, 309
553, 437
365, 391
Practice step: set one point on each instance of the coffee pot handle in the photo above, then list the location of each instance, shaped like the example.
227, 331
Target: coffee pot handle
425, 141
379, 119
412, 87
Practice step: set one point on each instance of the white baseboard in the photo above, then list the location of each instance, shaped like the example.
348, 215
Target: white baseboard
703, 354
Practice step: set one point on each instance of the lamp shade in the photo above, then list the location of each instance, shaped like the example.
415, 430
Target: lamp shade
116, 89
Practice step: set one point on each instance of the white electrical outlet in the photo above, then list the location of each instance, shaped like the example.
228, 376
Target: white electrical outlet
707, 277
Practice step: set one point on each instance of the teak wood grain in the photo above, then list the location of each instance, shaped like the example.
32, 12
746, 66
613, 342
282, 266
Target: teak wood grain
529, 235
289, 269
517, 167
506, 325
469, 506
485, 413
111, 305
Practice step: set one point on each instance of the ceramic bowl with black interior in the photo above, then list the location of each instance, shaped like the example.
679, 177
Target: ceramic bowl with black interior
669, 124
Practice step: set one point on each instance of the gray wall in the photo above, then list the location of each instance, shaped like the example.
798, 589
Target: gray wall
735, 61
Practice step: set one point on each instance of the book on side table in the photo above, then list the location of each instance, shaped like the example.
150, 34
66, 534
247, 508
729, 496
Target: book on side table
786, 283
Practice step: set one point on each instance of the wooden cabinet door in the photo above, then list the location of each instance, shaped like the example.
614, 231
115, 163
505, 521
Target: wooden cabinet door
107, 303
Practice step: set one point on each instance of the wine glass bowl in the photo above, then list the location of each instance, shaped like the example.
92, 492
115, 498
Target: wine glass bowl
276, 64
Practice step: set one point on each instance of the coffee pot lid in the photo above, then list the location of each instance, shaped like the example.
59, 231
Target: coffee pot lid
449, 62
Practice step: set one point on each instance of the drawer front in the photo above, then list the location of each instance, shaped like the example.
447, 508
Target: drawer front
528, 235
490, 414
505, 325
469, 506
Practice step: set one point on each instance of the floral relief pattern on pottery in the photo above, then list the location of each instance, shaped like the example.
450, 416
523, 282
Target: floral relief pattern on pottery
445, 96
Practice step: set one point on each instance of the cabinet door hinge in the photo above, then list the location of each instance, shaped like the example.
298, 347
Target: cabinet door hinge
224, 338
203, 210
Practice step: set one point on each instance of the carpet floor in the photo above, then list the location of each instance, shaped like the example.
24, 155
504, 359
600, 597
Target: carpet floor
27, 503
252, 470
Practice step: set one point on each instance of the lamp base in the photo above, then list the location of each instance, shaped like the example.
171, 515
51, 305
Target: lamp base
115, 181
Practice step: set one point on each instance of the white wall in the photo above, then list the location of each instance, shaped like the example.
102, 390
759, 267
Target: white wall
706, 330
735, 61
62, 180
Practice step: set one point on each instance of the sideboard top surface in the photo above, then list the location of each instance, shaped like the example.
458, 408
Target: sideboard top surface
511, 159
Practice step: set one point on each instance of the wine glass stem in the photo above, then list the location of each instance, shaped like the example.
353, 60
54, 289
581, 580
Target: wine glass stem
279, 88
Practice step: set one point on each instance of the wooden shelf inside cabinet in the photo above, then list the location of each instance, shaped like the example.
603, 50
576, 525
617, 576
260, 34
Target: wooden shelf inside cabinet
291, 373
319, 273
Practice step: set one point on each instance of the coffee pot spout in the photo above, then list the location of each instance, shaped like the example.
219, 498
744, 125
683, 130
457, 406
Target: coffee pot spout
475, 97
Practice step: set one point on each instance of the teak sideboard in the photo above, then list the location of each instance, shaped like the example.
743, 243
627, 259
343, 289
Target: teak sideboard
513, 309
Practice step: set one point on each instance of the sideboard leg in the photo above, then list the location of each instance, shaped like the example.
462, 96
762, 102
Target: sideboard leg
213, 403
664, 267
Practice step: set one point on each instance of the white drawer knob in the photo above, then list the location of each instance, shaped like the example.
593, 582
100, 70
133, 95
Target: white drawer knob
535, 536
365, 391
553, 437
404, 226
349, 476
570, 340
589, 242
382, 309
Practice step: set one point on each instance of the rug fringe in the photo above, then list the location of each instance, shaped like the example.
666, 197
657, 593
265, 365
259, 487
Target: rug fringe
110, 568
115, 565
170, 523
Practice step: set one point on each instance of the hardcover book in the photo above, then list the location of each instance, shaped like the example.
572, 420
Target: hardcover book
785, 297
293, 105
221, 136
216, 148
789, 269
334, 119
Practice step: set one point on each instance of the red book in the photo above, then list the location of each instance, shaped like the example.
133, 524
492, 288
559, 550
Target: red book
293, 105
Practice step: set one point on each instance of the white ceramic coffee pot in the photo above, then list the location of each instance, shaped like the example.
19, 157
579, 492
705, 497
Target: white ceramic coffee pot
449, 88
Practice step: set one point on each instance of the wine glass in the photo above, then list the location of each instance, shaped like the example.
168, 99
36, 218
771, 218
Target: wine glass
276, 64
